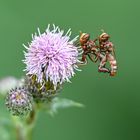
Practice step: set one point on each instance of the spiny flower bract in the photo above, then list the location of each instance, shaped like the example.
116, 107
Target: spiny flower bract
52, 56
19, 101
41, 93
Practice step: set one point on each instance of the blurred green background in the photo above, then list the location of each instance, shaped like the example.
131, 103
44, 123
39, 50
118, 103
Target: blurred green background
112, 109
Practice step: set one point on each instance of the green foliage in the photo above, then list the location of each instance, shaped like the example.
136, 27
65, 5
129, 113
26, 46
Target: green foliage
6, 124
12, 127
61, 103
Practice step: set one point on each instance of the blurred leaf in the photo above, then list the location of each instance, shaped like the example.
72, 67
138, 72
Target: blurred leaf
5, 118
8, 83
61, 103
4, 134
5, 121
6, 124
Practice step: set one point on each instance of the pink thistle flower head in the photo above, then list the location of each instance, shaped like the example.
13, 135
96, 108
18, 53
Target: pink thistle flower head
52, 56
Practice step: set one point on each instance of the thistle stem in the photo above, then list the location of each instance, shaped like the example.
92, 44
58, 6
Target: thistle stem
19, 133
24, 128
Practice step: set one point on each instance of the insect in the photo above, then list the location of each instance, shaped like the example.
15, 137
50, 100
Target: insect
89, 48
99, 49
107, 54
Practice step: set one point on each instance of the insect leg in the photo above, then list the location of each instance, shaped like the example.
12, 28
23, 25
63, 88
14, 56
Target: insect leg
102, 64
92, 57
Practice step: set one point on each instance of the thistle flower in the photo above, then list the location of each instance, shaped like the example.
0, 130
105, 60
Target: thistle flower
19, 101
52, 56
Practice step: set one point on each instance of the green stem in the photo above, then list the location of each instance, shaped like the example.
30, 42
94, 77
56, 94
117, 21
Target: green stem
24, 128
30, 124
19, 132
